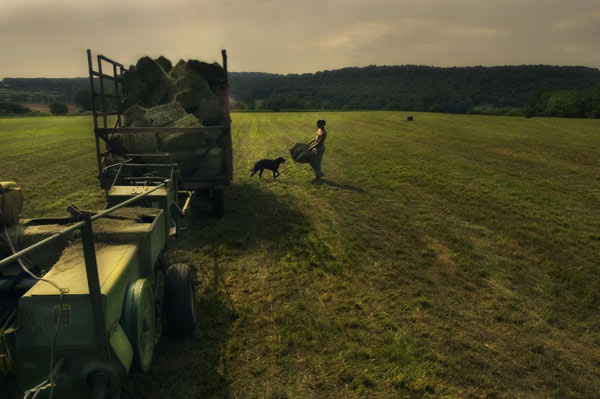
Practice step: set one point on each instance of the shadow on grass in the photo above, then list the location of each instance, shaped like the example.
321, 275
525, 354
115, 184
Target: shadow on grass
189, 368
255, 218
327, 182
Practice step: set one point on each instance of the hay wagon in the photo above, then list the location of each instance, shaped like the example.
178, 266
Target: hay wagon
154, 118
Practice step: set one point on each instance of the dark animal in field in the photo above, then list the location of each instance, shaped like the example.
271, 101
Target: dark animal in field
271, 164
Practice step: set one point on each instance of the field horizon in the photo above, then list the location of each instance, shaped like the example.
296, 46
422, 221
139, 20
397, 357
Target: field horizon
454, 256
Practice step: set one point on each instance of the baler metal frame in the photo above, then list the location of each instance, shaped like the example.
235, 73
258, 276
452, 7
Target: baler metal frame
91, 267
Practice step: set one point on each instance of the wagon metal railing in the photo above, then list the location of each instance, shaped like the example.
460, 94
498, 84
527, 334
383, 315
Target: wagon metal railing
101, 108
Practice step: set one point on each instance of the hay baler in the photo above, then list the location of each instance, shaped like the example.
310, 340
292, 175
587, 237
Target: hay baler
97, 310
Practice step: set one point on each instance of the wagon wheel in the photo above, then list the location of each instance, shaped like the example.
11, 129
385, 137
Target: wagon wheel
139, 322
180, 301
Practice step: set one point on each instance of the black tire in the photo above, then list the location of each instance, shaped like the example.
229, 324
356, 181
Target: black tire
180, 301
219, 202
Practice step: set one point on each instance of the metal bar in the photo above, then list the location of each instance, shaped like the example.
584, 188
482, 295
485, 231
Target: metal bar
91, 270
158, 129
76, 226
144, 178
105, 76
111, 61
105, 122
116, 87
154, 165
228, 154
116, 176
37, 245
161, 155
91, 70
224, 55
109, 113
187, 202
127, 202
92, 88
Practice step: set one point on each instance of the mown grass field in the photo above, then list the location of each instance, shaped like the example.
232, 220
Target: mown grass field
450, 257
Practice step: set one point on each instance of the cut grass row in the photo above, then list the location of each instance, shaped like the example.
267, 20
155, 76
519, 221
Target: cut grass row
53, 160
452, 256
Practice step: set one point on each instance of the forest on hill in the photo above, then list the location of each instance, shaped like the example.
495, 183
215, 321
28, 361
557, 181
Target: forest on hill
420, 88
531, 90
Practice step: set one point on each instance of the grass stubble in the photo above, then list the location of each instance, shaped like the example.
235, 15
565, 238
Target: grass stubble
450, 257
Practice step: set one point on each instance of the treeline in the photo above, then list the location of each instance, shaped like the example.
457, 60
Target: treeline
15, 109
530, 90
496, 90
569, 104
8, 108
43, 89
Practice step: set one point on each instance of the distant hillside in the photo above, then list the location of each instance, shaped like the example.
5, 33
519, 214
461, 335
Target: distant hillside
407, 87
62, 87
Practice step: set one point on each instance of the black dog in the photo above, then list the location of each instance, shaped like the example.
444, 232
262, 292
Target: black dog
271, 164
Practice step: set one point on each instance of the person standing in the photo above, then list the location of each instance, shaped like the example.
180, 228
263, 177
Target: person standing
317, 146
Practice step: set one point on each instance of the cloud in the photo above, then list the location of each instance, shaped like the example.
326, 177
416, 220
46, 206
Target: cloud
588, 22
47, 38
356, 39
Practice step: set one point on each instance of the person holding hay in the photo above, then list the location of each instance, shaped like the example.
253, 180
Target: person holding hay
317, 147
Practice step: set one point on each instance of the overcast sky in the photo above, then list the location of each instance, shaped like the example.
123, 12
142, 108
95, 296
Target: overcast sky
48, 38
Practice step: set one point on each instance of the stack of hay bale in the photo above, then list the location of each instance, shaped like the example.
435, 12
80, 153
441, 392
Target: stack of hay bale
189, 94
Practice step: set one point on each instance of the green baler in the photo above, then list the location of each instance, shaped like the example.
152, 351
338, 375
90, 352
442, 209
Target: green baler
97, 313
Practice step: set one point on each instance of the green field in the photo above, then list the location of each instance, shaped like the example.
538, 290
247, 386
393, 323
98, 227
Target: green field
453, 256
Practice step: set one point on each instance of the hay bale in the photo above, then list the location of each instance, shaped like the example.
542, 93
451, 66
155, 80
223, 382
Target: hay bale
189, 90
300, 153
177, 70
11, 202
184, 141
165, 115
189, 80
189, 100
135, 116
146, 84
192, 81
188, 120
117, 143
133, 143
164, 63
186, 162
156, 80
181, 142
210, 112
134, 87
211, 135
210, 165
213, 73
142, 143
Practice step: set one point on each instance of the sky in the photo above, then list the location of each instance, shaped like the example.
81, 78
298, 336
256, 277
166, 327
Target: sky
48, 38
